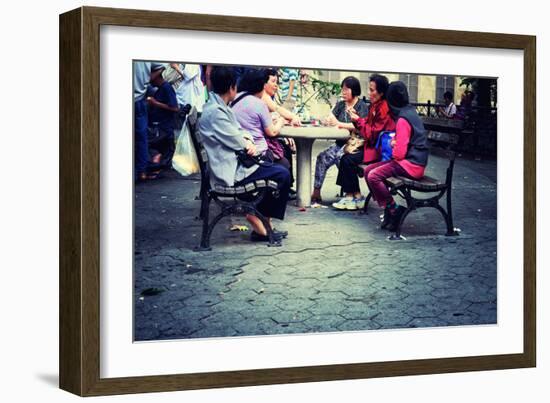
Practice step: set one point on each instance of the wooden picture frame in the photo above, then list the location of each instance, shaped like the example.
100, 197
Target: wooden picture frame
80, 216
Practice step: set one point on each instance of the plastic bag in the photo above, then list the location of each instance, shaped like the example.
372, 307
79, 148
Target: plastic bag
185, 159
384, 145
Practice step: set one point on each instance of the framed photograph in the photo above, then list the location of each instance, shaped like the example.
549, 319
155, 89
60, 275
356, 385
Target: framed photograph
249, 201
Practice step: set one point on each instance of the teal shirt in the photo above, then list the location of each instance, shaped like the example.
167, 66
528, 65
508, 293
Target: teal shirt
286, 76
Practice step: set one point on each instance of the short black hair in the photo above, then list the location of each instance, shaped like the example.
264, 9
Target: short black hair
448, 95
353, 84
271, 72
253, 81
222, 79
381, 82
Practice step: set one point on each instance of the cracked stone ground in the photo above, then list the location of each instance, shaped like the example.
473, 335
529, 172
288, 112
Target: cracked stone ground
336, 271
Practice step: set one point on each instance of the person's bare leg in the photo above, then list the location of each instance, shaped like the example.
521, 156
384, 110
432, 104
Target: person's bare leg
156, 158
256, 224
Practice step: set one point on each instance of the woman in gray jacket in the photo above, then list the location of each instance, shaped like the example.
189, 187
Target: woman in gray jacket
222, 137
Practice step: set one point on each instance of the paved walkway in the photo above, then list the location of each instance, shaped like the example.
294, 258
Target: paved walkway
336, 271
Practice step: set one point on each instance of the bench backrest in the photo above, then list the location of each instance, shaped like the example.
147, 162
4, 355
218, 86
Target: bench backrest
192, 120
443, 137
441, 145
443, 124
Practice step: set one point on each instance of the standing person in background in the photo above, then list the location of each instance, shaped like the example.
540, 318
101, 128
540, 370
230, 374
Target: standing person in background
288, 88
190, 91
163, 106
142, 75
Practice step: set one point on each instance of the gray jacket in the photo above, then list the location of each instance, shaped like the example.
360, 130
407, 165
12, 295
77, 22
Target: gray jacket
222, 135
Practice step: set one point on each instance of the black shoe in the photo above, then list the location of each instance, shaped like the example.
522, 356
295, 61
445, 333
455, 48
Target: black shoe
281, 234
387, 218
255, 237
291, 194
395, 218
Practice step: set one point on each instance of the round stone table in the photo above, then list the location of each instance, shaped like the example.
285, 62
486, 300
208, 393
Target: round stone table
304, 136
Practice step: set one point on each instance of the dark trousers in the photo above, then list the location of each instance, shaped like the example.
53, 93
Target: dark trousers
162, 141
271, 206
285, 163
288, 156
347, 172
141, 149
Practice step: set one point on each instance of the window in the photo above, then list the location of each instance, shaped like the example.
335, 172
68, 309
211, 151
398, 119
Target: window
411, 81
443, 84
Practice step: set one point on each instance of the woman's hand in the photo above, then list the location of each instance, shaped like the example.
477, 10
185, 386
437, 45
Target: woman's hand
295, 121
330, 121
250, 148
353, 114
291, 144
275, 128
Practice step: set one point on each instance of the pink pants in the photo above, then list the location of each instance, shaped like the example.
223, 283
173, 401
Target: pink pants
376, 173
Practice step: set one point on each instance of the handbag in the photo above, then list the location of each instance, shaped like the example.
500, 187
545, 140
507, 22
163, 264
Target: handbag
249, 161
354, 144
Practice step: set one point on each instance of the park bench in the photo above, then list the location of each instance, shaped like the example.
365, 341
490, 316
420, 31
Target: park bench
441, 144
233, 200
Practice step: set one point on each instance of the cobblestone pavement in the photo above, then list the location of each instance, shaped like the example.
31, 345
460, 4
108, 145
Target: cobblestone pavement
337, 271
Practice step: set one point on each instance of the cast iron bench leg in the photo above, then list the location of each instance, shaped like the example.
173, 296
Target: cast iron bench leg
449, 219
367, 200
204, 216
